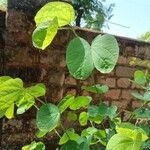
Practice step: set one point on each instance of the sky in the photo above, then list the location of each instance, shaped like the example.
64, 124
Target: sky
134, 14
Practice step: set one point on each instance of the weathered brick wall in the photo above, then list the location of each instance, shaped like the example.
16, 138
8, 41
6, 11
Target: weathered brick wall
20, 59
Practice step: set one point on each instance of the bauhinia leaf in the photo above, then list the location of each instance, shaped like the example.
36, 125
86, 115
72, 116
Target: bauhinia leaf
64, 12
48, 117
44, 34
78, 58
105, 53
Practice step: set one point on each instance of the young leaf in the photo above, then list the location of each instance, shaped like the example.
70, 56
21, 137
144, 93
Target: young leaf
34, 146
69, 135
131, 131
99, 89
9, 93
83, 118
48, 117
65, 103
44, 34
10, 112
72, 145
80, 101
121, 142
105, 111
142, 113
40, 134
64, 12
145, 97
105, 53
78, 58
72, 116
139, 77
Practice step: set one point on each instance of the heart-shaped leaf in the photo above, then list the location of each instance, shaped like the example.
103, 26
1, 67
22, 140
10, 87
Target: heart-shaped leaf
64, 12
99, 89
80, 101
78, 58
48, 117
105, 53
44, 34
140, 77
121, 142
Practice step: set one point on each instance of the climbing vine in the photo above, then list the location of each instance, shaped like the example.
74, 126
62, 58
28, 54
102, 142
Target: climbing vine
102, 127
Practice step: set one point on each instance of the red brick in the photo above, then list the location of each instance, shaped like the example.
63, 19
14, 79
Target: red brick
122, 60
136, 104
126, 94
113, 94
70, 80
71, 92
125, 71
123, 83
122, 105
111, 82
56, 76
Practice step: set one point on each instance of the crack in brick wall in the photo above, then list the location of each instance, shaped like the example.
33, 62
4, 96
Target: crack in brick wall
21, 59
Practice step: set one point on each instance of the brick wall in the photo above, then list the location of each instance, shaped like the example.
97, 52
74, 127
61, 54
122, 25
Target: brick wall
20, 59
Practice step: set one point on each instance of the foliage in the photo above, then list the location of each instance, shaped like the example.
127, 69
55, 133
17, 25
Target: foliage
93, 13
3, 5
145, 37
81, 59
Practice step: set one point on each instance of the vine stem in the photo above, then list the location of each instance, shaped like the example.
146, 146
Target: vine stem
40, 101
36, 107
57, 133
65, 131
69, 28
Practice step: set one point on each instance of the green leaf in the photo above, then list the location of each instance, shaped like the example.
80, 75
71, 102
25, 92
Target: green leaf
93, 111
72, 145
63, 11
10, 112
105, 111
83, 118
44, 34
34, 146
4, 78
47, 118
65, 103
40, 134
78, 58
12, 92
37, 90
99, 89
105, 53
9, 93
80, 101
139, 77
145, 97
69, 135
142, 113
72, 116
121, 142
129, 130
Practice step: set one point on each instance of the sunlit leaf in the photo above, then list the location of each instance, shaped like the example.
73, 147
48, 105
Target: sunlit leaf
44, 34
64, 12
105, 53
48, 117
99, 89
78, 58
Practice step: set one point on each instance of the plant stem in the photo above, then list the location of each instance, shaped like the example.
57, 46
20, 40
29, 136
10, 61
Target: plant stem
64, 130
57, 133
36, 107
40, 101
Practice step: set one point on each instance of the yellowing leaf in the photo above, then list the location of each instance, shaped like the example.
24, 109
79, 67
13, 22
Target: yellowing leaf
63, 11
44, 34
10, 112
